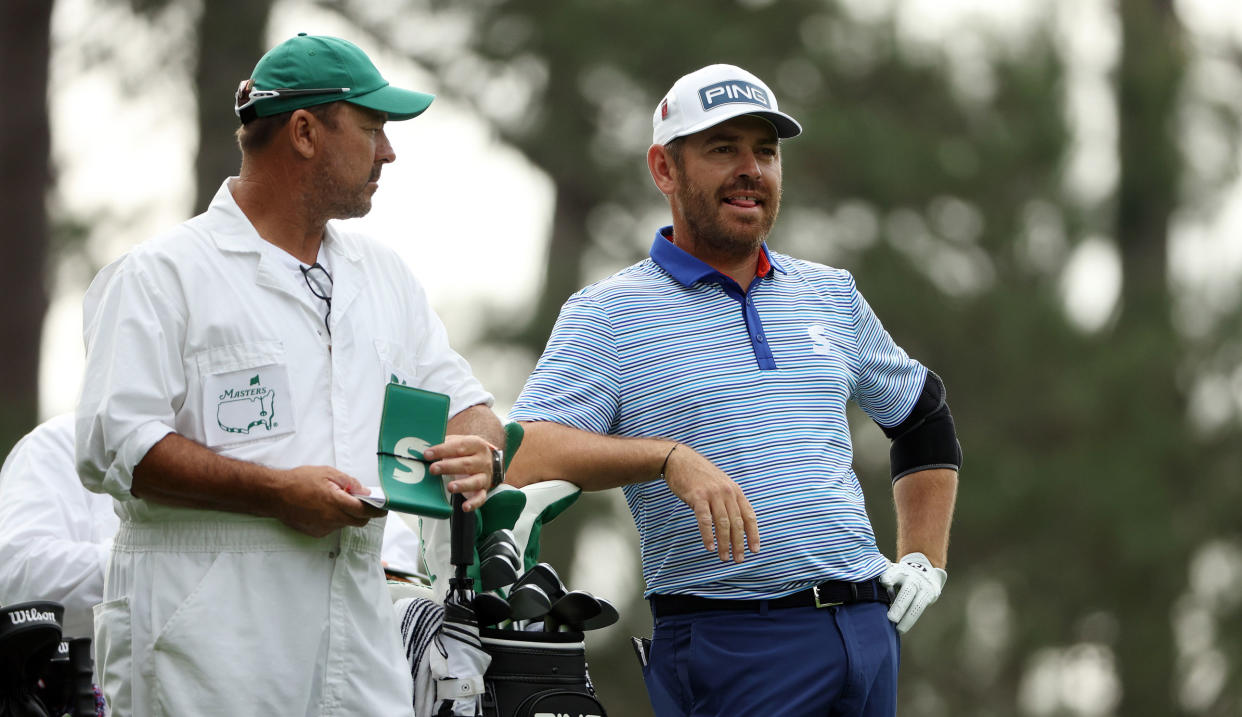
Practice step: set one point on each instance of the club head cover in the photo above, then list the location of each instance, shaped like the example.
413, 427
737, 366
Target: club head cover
501, 510
30, 633
544, 501
503, 507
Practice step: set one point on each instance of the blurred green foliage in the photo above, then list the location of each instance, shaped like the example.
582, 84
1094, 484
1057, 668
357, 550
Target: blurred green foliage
1086, 494
1091, 505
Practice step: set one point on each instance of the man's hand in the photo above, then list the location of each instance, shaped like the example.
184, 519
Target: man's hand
317, 500
468, 460
718, 503
918, 584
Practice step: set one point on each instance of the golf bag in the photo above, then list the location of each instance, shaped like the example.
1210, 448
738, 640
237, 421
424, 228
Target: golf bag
67, 687
460, 669
29, 636
537, 673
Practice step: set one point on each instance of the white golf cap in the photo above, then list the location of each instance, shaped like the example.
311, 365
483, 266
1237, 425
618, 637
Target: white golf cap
705, 98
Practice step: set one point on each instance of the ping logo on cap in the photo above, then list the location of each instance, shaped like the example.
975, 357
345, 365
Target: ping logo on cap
731, 91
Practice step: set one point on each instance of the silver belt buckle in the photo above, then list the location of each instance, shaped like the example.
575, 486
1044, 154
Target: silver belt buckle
815, 592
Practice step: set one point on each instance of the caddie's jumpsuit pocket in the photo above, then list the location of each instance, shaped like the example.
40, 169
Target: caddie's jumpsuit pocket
396, 364
246, 617
245, 394
114, 654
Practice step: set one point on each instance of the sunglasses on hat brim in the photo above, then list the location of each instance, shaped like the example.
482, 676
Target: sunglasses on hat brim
247, 96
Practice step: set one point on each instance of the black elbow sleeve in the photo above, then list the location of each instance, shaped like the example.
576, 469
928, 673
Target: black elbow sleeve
927, 437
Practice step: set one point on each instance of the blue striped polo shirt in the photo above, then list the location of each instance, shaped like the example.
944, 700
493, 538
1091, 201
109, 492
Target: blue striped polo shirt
757, 382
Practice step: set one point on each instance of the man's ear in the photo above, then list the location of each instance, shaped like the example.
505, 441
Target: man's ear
663, 171
304, 132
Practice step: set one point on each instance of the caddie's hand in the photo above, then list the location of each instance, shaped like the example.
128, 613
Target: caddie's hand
317, 500
468, 462
727, 523
917, 583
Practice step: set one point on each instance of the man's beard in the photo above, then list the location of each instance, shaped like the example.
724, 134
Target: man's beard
710, 230
335, 199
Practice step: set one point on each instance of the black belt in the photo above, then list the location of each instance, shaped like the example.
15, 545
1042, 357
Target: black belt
835, 592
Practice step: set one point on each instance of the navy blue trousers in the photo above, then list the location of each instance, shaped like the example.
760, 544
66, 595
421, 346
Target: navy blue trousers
834, 661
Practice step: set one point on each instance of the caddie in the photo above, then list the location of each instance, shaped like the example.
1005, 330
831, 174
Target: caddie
231, 405
710, 381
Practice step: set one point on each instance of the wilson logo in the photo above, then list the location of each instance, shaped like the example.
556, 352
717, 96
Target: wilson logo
21, 617
731, 91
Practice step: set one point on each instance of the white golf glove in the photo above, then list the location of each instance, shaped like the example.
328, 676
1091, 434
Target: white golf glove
917, 584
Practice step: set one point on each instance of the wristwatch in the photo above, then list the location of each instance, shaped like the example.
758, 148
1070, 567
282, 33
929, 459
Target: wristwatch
498, 467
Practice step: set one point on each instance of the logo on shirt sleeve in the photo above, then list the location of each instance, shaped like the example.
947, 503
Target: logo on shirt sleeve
820, 343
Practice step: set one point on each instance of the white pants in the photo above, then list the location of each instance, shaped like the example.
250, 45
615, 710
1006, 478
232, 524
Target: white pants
248, 618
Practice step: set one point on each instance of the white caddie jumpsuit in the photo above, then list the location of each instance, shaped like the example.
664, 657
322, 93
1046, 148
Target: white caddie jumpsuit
54, 536
200, 331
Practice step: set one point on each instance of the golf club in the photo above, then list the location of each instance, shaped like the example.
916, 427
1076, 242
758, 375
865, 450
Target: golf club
496, 571
571, 611
527, 602
490, 609
607, 616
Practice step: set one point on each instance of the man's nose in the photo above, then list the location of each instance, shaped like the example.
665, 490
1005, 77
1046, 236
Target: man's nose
384, 153
748, 165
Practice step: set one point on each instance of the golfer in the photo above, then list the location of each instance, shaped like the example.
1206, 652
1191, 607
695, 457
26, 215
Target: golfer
231, 405
711, 382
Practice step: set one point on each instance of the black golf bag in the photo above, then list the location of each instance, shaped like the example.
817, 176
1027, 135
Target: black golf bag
537, 673
29, 636
42, 675
67, 687
462, 669
529, 673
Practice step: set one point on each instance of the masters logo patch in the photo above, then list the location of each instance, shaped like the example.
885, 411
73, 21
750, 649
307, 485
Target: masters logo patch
246, 405
240, 410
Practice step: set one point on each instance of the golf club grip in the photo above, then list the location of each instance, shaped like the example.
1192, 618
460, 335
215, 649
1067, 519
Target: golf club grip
461, 529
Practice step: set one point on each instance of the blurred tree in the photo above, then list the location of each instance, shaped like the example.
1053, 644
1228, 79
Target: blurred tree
943, 188
1086, 493
25, 173
232, 37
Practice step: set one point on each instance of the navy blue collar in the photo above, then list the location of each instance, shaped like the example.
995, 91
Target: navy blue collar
688, 269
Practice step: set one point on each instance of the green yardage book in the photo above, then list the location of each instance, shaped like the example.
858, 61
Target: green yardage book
413, 420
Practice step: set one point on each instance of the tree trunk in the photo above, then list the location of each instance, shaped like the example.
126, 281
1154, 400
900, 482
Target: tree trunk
232, 38
563, 268
1152, 407
25, 48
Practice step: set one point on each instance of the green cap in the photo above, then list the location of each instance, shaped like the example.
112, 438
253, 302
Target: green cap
339, 67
